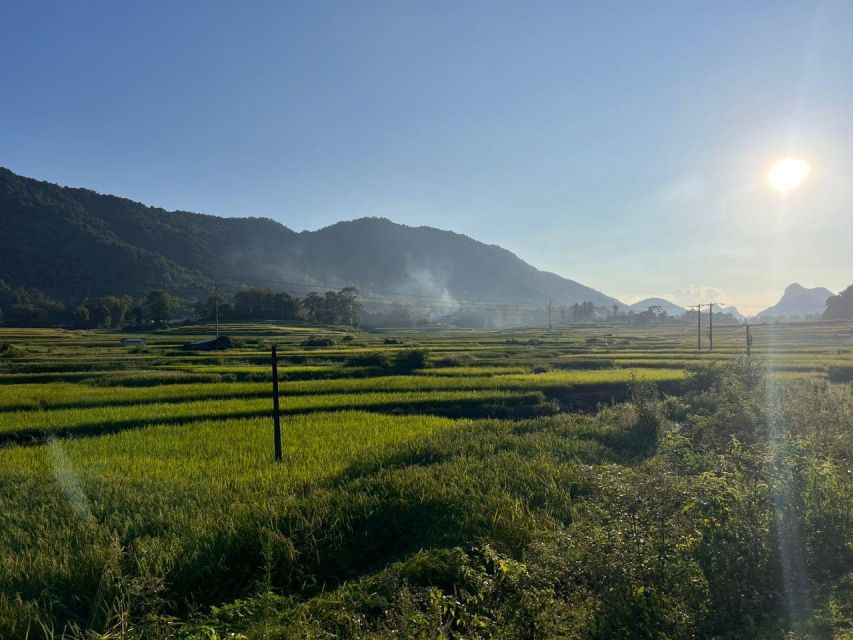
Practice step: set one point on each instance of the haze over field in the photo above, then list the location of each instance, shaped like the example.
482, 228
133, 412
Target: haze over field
625, 147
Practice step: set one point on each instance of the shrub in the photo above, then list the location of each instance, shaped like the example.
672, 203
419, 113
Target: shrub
449, 361
838, 373
374, 359
314, 341
411, 360
8, 350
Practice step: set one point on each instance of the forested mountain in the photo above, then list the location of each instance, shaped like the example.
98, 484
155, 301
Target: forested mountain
72, 243
798, 302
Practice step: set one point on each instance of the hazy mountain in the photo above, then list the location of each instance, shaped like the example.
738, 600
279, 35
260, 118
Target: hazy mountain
719, 308
671, 308
798, 301
840, 307
71, 243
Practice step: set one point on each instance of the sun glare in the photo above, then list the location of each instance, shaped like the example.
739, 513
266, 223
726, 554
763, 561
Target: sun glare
788, 174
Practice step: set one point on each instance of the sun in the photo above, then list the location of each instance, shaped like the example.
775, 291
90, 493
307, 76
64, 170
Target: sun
788, 173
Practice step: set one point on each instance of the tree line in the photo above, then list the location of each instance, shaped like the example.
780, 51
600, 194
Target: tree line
331, 307
23, 307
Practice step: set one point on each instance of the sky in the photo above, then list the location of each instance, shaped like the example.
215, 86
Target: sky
624, 145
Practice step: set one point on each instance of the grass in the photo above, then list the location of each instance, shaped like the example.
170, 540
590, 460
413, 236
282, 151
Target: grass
134, 484
166, 496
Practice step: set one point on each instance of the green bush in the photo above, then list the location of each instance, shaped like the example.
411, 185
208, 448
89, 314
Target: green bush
314, 341
374, 359
411, 360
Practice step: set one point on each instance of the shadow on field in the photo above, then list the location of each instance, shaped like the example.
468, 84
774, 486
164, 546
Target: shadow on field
516, 407
578, 397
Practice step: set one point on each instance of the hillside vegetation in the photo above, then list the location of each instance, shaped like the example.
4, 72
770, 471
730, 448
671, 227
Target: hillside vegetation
72, 243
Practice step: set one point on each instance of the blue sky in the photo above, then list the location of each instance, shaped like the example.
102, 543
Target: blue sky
623, 145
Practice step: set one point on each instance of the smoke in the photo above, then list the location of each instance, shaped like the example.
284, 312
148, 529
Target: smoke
429, 291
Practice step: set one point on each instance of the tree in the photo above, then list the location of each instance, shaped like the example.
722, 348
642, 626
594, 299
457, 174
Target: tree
81, 316
206, 309
584, 312
313, 305
158, 306
351, 308
98, 312
136, 315
117, 308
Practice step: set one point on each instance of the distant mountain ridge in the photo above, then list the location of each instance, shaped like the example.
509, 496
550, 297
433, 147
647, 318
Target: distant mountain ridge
671, 308
798, 301
732, 310
71, 243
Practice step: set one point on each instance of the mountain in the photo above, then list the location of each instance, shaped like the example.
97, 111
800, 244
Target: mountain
798, 301
671, 308
70, 243
730, 310
840, 307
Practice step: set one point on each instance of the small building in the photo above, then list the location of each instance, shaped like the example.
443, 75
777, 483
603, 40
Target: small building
133, 342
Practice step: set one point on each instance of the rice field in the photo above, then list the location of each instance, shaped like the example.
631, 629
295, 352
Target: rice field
121, 463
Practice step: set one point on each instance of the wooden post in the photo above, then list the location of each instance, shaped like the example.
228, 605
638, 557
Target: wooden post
699, 327
710, 326
275, 409
748, 342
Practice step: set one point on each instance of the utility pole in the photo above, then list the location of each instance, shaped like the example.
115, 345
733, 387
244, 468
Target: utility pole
275, 408
710, 326
698, 308
549, 314
748, 342
216, 302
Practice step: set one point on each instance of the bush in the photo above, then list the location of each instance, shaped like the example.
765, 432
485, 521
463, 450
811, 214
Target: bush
8, 350
374, 359
392, 341
314, 341
411, 360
